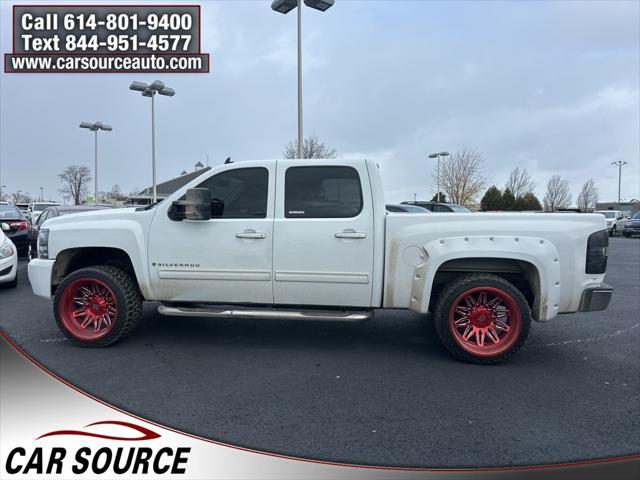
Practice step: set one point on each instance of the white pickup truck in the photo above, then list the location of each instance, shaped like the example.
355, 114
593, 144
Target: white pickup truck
311, 240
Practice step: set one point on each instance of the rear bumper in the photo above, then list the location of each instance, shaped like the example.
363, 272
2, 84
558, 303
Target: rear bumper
40, 276
596, 298
20, 239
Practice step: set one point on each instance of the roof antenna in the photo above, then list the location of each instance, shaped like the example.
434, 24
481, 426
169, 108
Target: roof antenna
228, 160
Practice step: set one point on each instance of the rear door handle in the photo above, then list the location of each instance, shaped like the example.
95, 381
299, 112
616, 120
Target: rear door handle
251, 234
350, 233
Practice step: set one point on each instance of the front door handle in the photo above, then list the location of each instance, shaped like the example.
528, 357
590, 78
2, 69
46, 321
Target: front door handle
251, 234
350, 233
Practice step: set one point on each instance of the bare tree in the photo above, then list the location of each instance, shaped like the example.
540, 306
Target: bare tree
588, 196
20, 197
520, 182
312, 148
75, 180
461, 176
558, 194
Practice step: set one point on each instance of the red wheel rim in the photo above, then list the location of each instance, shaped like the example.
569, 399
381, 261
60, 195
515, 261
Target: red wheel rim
485, 321
88, 308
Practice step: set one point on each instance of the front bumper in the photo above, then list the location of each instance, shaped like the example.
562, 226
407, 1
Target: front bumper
40, 276
8, 268
596, 298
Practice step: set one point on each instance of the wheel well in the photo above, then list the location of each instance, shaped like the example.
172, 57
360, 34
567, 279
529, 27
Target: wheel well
72, 259
523, 275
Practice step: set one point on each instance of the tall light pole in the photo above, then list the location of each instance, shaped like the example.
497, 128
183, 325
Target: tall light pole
150, 91
93, 127
41, 194
619, 164
285, 6
1, 187
438, 155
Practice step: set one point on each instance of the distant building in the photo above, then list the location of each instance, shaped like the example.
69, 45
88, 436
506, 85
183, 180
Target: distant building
629, 208
164, 189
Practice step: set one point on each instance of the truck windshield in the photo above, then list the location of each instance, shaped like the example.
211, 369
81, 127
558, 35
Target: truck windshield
459, 208
38, 207
608, 214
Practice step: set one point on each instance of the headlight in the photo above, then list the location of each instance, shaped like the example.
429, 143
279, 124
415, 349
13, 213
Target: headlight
6, 249
43, 243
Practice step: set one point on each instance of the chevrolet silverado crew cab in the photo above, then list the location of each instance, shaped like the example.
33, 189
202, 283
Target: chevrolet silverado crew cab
311, 240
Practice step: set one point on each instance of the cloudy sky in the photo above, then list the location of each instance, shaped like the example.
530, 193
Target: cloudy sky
551, 86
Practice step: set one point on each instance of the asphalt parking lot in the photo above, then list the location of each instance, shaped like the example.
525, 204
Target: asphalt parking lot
382, 392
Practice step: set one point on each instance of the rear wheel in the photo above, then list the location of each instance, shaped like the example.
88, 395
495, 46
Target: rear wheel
482, 319
627, 234
97, 306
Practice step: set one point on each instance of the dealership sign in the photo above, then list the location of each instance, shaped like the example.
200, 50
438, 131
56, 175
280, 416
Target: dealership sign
67, 457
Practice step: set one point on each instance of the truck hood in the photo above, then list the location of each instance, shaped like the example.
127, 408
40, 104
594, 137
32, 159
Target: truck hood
96, 215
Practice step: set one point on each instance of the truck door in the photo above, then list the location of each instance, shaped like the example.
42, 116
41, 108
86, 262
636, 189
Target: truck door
227, 259
323, 235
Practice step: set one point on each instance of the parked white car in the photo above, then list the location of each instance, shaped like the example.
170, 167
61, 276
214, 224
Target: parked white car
8, 261
615, 221
304, 240
36, 208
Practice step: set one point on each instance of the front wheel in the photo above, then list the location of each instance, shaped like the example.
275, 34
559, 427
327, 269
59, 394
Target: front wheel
627, 234
97, 306
612, 233
482, 318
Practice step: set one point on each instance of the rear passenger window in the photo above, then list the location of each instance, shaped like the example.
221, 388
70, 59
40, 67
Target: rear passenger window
239, 193
322, 192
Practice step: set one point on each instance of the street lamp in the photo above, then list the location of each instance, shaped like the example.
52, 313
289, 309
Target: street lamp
619, 164
41, 195
1, 187
285, 6
93, 127
150, 91
438, 155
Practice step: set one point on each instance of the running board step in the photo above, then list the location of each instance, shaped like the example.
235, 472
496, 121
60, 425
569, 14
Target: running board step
266, 313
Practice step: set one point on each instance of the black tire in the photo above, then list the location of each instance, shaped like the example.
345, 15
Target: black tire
626, 234
613, 231
127, 300
475, 282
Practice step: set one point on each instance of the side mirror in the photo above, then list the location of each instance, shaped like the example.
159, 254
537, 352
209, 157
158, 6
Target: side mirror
196, 206
5, 227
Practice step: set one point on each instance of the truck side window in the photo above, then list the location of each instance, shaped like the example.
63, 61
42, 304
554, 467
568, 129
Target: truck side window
239, 193
322, 192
